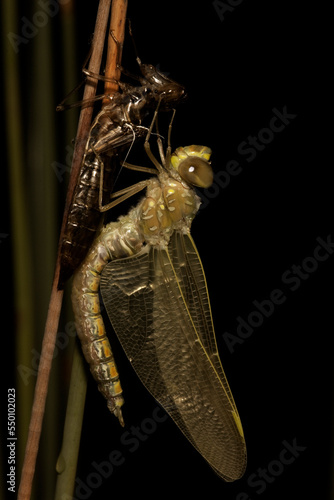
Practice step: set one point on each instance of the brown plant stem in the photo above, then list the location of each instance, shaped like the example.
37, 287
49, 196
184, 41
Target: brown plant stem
117, 27
51, 327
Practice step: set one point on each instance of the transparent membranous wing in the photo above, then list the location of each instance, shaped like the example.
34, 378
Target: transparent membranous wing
158, 304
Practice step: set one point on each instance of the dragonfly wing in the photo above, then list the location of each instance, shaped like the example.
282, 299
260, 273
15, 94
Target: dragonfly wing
158, 304
190, 274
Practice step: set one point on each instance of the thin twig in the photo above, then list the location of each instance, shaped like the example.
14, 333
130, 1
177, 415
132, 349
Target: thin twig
41, 389
51, 327
117, 27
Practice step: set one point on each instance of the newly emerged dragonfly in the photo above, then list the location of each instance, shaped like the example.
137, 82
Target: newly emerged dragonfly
114, 129
153, 286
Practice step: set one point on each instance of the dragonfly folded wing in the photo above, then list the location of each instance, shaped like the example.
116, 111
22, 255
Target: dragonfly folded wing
192, 282
158, 305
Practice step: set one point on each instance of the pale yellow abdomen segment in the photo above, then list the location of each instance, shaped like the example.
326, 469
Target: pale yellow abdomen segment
114, 241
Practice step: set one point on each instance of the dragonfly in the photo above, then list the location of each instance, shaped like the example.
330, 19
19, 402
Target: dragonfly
116, 127
154, 289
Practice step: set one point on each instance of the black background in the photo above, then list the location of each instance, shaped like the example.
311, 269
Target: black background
261, 56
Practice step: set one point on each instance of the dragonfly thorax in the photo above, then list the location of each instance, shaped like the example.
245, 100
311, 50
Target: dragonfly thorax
169, 205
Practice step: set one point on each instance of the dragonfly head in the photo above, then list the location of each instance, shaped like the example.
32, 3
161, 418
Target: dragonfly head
193, 166
163, 88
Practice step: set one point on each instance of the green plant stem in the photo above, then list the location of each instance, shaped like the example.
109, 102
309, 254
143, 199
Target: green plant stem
68, 457
20, 234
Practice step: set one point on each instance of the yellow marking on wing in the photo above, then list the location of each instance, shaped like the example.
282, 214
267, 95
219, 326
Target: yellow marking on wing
238, 423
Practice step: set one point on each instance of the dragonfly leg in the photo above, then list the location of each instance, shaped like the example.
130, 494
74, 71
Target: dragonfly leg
169, 147
160, 145
62, 106
124, 86
147, 146
123, 194
134, 44
119, 46
139, 168
119, 53
90, 74
115, 141
164, 160
97, 76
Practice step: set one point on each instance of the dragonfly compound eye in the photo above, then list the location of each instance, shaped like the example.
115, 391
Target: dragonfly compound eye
196, 171
192, 164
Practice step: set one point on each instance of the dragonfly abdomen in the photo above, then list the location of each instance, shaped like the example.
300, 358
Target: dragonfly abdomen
116, 240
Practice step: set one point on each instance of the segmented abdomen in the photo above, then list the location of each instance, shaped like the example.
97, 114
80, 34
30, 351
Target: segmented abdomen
84, 215
116, 240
